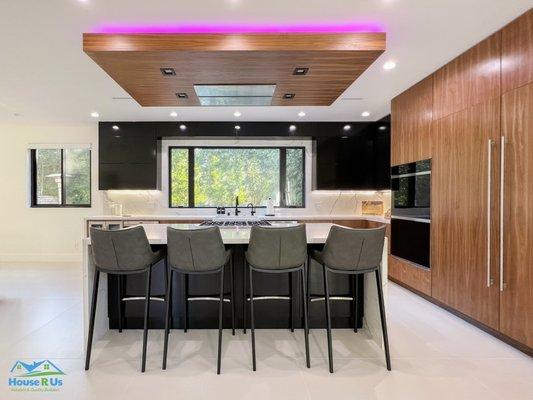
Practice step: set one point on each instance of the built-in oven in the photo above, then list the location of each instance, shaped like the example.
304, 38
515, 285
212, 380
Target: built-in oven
411, 212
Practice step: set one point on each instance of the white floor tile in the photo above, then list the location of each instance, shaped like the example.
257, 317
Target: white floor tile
435, 354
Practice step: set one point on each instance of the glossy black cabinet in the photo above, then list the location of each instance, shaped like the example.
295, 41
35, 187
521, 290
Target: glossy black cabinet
358, 160
128, 156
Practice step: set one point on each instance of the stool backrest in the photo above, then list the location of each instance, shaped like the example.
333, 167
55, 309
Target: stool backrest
277, 248
121, 250
195, 250
353, 249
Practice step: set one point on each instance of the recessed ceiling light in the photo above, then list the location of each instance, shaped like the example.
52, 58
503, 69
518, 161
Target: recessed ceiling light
292, 128
365, 114
182, 95
183, 127
389, 65
347, 127
174, 114
382, 128
94, 114
237, 128
301, 114
115, 127
288, 96
300, 71
167, 71
237, 114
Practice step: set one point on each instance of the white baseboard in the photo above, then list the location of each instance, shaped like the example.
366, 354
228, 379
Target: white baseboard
32, 257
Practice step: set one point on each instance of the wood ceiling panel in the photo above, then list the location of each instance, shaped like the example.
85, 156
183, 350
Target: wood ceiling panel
334, 62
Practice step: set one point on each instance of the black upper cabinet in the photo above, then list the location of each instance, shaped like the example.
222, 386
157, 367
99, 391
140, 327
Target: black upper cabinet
358, 161
128, 156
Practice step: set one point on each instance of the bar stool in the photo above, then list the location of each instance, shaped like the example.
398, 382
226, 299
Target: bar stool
198, 251
273, 251
353, 252
122, 252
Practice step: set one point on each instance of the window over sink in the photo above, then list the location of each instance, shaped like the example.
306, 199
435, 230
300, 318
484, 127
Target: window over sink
215, 176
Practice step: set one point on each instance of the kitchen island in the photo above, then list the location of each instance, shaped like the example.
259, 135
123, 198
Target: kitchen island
203, 315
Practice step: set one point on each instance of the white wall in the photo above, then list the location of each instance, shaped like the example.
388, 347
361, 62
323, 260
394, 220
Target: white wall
40, 234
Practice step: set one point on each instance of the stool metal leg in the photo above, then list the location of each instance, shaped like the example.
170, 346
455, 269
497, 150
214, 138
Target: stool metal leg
328, 320
383, 318
146, 315
220, 317
308, 281
355, 301
232, 293
119, 302
306, 319
167, 317
252, 321
291, 305
244, 297
185, 302
91, 320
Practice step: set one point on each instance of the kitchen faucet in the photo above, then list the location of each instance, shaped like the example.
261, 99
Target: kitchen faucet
237, 206
252, 213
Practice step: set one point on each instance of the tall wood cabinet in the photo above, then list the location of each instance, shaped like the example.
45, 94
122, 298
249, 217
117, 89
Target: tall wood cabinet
516, 285
462, 269
481, 145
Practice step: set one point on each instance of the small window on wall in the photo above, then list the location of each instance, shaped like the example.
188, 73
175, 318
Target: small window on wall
60, 177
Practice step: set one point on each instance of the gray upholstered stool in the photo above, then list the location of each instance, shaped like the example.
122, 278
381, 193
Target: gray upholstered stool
352, 252
277, 250
193, 252
122, 252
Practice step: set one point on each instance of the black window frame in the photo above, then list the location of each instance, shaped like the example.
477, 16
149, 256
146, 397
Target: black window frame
33, 179
282, 173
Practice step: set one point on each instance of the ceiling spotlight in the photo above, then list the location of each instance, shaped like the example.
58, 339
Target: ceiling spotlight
347, 127
183, 127
300, 71
94, 114
382, 128
292, 128
167, 71
389, 65
237, 128
301, 114
173, 114
288, 96
115, 127
365, 114
237, 114
182, 95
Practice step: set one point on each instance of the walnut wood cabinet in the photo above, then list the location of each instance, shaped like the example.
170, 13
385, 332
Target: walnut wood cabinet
481, 145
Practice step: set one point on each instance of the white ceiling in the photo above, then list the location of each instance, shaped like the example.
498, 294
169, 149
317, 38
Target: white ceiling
46, 78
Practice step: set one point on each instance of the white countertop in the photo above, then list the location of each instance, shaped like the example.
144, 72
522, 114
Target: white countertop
277, 217
317, 233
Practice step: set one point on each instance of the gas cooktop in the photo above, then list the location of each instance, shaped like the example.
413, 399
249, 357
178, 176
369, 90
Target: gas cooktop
235, 224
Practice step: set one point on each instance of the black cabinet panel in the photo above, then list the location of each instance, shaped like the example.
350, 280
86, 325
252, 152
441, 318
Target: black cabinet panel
128, 157
358, 161
128, 176
133, 142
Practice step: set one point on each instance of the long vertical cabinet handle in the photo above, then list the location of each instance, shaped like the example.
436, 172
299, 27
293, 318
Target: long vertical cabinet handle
489, 196
502, 192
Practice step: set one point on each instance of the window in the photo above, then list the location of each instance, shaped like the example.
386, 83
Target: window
60, 177
215, 176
